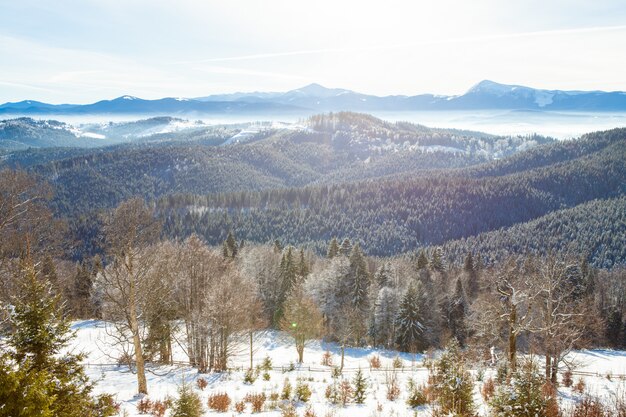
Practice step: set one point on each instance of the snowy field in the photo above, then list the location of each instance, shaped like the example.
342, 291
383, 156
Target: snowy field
601, 371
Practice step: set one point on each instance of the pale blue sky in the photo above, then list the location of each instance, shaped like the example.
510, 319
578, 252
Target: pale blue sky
83, 50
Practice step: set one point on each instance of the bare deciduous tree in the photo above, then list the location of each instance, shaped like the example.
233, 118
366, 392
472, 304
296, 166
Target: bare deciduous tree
125, 283
302, 319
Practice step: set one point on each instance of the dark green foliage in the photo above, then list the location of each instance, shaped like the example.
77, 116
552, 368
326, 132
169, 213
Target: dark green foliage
346, 247
230, 246
302, 392
595, 227
457, 311
360, 387
383, 276
39, 329
80, 298
523, 397
23, 392
436, 261
416, 396
36, 378
411, 327
358, 280
333, 248
422, 260
188, 403
452, 382
614, 327
303, 265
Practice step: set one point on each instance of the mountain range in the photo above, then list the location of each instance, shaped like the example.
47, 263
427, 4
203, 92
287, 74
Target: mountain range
314, 98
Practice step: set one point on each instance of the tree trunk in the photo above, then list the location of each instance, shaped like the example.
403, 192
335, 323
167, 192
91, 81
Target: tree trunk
142, 384
300, 349
548, 366
555, 370
343, 350
512, 339
251, 353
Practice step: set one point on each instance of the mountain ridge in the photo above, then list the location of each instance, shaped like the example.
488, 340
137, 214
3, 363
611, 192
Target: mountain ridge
485, 95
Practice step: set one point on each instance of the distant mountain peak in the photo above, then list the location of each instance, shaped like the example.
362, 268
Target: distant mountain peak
492, 87
318, 90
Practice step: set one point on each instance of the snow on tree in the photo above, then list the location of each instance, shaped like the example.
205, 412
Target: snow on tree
411, 330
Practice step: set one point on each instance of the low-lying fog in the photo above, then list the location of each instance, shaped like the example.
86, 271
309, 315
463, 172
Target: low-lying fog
562, 125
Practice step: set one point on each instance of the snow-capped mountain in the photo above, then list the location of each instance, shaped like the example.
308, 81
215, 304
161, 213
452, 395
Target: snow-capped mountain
315, 98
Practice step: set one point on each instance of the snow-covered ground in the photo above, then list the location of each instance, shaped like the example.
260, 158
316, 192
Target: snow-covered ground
601, 370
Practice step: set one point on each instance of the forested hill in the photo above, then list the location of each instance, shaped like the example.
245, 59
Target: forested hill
328, 148
396, 215
595, 229
394, 187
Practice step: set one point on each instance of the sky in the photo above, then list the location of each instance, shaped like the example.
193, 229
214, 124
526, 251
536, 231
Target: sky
81, 51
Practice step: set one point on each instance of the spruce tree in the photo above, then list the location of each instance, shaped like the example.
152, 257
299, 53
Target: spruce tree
288, 279
188, 403
385, 311
453, 384
333, 249
383, 276
437, 263
359, 279
230, 246
81, 292
360, 387
410, 321
614, 326
468, 265
303, 266
37, 378
457, 311
346, 247
472, 276
422, 260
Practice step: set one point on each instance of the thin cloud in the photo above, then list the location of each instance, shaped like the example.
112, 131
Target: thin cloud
471, 39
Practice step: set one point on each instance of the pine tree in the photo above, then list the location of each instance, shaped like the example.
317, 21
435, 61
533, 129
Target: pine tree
385, 311
359, 279
457, 311
524, 396
288, 271
468, 265
436, 263
37, 378
81, 292
346, 247
303, 266
472, 276
49, 272
453, 384
40, 330
360, 387
333, 249
230, 248
614, 328
383, 276
422, 260
188, 403
410, 321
